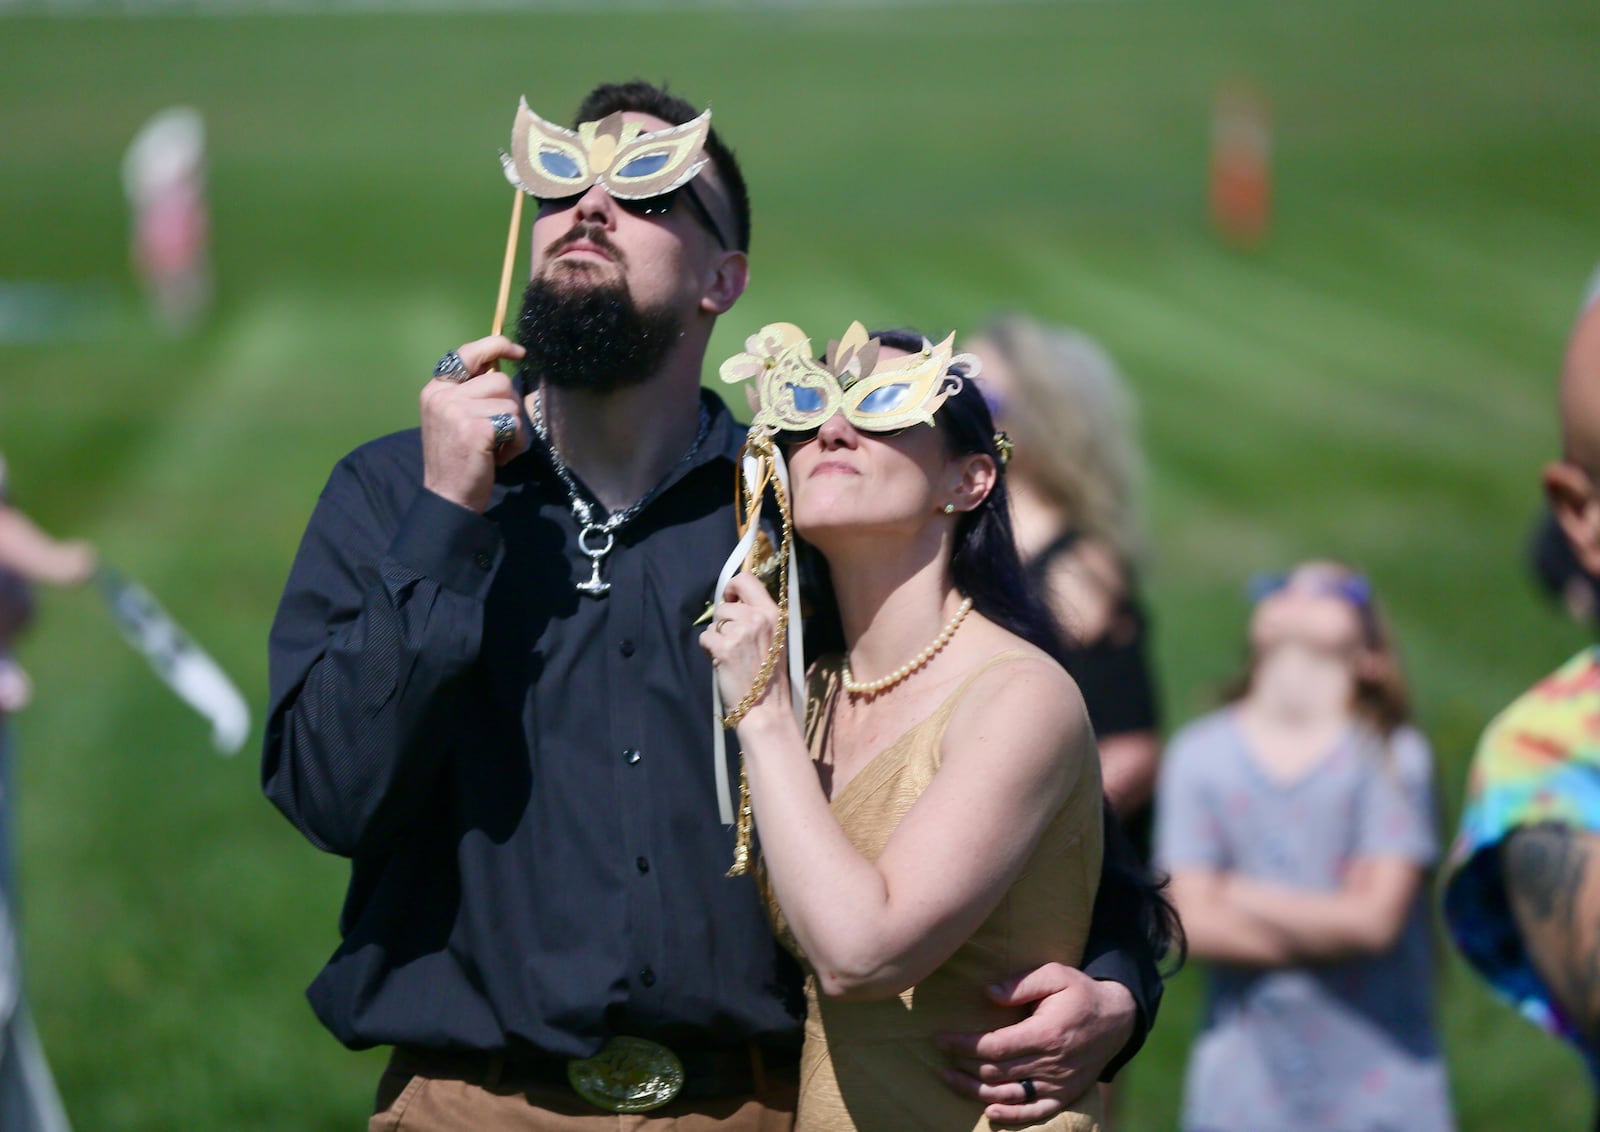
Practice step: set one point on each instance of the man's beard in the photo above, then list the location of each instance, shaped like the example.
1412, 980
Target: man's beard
592, 337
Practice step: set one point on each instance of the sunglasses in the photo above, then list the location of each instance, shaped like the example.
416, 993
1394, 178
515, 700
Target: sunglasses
658, 205
1353, 588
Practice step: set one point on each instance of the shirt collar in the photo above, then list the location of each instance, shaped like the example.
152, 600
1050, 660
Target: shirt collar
725, 440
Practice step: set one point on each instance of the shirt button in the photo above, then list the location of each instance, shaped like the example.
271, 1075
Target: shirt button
625, 646
483, 560
647, 977
643, 863
631, 755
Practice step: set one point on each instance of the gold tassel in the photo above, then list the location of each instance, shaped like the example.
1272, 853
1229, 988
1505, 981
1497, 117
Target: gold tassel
773, 568
742, 831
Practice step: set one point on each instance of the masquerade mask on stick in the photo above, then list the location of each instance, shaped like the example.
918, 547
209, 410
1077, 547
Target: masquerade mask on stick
796, 395
549, 162
641, 170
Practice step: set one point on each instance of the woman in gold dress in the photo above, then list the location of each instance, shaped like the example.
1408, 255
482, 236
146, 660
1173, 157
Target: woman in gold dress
937, 824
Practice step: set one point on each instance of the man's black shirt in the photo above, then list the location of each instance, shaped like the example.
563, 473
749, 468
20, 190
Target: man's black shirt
521, 774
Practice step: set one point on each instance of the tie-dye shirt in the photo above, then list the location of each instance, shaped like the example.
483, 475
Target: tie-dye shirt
1538, 762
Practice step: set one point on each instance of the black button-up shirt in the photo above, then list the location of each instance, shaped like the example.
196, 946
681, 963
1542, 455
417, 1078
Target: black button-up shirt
521, 774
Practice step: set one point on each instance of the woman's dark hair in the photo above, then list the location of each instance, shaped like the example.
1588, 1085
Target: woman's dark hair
986, 567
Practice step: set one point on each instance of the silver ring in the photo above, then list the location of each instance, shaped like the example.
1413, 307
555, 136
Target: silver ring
451, 368
505, 427
1029, 1093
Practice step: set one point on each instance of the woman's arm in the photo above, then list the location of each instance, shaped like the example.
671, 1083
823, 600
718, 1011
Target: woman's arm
1129, 762
1088, 593
1013, 751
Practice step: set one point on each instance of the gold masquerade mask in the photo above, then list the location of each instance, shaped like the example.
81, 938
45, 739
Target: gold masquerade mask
549, 162
797, 394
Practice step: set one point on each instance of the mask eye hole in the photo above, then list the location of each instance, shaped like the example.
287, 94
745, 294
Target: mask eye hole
646, 166
885, 400
559, 164
806, 399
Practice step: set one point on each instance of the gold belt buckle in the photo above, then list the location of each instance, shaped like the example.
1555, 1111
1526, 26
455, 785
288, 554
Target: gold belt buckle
628, 1075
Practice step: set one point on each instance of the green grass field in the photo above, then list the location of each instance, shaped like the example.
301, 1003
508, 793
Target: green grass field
1375, 383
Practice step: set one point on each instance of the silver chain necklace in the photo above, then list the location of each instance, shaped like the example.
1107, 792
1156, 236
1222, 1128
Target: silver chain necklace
590, 532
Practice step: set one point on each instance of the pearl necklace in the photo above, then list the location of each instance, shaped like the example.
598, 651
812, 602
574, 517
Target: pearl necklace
873, 687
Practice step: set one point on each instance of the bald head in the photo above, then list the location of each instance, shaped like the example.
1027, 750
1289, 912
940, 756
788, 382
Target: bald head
1572, 483
1580, 391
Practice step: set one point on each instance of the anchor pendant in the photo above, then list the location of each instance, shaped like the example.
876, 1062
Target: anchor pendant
595, 587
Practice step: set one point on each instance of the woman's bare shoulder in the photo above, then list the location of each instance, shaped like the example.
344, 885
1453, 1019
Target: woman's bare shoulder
1019, 692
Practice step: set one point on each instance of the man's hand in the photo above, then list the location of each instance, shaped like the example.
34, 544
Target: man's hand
1078, 1025
459, 453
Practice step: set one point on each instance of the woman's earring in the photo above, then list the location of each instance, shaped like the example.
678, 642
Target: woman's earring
949, 508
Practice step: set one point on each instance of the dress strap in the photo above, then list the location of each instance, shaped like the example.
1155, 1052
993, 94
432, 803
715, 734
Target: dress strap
947, 708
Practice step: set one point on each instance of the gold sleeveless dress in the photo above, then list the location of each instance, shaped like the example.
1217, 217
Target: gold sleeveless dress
872, 1066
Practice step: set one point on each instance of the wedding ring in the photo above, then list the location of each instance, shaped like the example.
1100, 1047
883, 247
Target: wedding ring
505, 427
1029, 1093
451, 368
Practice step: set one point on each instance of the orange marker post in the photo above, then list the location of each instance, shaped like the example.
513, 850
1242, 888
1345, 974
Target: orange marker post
1241, 166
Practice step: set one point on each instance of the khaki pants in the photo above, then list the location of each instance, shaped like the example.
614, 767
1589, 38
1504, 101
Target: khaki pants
408, 1102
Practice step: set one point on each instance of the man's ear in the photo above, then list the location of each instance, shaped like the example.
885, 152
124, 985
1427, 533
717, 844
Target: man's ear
978, 476
1572, 498
730, 275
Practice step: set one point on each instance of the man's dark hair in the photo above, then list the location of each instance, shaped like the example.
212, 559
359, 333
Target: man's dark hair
647, 98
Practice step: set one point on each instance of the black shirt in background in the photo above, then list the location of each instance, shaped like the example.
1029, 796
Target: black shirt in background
1113, 674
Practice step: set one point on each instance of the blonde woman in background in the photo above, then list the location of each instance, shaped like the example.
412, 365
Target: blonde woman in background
1074, 479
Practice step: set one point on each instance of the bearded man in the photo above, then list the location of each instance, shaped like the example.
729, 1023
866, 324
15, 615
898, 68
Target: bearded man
487, 693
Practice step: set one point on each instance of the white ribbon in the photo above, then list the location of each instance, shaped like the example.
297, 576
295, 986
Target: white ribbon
750, 468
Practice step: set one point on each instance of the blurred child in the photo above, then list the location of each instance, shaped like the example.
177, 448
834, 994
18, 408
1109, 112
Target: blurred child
1298, 825
28, 1098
